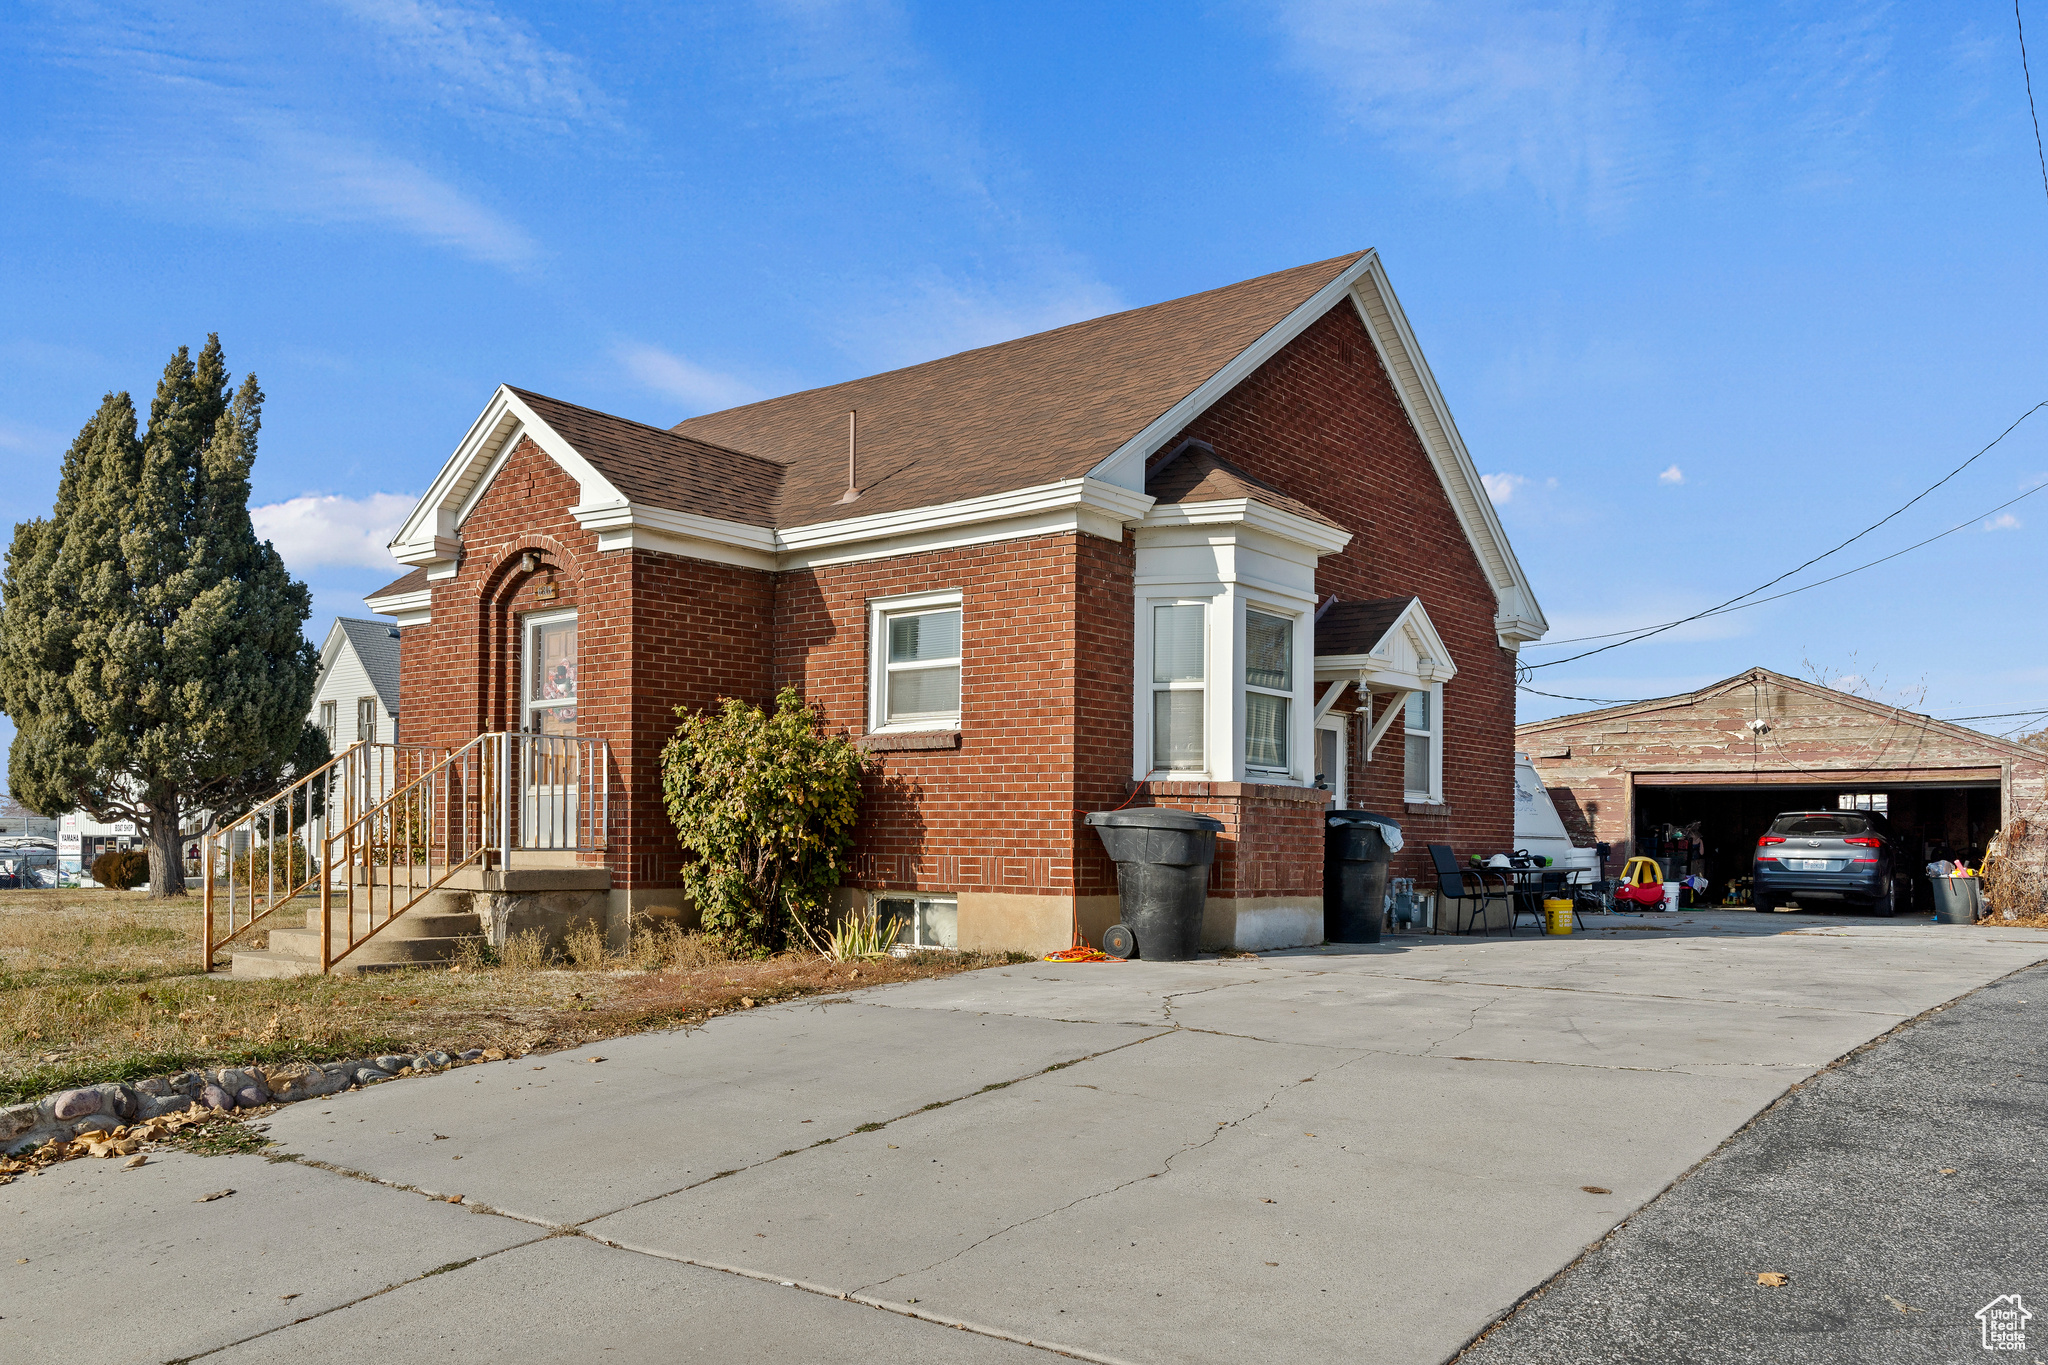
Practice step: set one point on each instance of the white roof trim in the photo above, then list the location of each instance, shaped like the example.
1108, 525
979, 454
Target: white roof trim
1409, 656
429, 535
410, 608
1315, 536
1518, 618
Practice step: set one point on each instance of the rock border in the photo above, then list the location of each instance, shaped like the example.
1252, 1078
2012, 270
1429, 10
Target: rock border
67, 1114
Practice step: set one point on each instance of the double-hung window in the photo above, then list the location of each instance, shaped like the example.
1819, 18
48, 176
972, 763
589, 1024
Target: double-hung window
1268, 689
916, 673
366, 718
328, 722
1180, 645
1422, 756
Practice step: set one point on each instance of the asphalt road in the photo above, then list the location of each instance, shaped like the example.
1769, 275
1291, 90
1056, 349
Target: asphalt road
1899, 1192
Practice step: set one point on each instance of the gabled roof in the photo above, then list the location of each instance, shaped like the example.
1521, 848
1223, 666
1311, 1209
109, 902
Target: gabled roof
375, 644
1847, 701
1045, 431
1013, 415
1357, 627
1387, 642
654, 465
1199, 474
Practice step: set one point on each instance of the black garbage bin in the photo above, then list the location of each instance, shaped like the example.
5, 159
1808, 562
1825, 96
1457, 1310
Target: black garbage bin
1162, 861
1355, 855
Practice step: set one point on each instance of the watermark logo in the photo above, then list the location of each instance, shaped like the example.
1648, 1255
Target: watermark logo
2004, 1322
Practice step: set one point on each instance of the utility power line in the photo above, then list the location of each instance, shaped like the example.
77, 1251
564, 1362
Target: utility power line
1723, 606
2028, 76
1964, 524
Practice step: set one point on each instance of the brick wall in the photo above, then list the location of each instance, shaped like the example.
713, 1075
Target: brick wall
995, 813
1047, 657
1322, 421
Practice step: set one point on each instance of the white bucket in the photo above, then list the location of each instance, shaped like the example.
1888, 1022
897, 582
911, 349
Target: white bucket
1671, 896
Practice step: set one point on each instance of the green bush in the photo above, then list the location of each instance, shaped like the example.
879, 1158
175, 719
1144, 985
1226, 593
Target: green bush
294, 866
122, 869
767, 804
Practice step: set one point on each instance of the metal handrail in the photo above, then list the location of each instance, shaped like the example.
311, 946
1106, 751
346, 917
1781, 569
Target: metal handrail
358, 776
446, 810
395, 823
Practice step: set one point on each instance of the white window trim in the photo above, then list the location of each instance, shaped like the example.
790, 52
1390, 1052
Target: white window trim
1339, 724
1435, 795
879, 610
1223, 734
526, 625
1294, 766
1149, 761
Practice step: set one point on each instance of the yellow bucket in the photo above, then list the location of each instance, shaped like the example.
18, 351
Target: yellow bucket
1558, 914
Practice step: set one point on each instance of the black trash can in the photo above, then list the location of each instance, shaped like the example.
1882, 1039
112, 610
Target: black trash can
1162, 861
1355, 856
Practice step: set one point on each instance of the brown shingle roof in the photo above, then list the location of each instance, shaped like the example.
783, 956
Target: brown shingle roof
1200, 475
1350, 628
649, 464
1025, 412
412, 582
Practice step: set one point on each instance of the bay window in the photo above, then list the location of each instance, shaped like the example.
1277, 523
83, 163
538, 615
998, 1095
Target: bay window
1180, 646
1268, 689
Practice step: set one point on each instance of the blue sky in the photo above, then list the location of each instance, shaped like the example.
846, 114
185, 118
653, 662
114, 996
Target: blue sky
1708, 286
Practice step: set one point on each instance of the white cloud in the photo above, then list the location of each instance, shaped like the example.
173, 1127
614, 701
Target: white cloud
328, 529
193, 132
290, 171
487, 64
857, 66
1552, 97
1672, 475
1501, 487
684, 380
2004, 521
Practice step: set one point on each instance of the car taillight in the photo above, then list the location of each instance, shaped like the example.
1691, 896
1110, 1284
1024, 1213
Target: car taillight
1865, 842
1769, 839
1864, 860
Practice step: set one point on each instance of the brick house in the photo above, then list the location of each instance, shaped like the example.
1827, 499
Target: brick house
1226, 553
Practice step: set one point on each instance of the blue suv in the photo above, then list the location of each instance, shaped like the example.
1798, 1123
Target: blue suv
1811, 856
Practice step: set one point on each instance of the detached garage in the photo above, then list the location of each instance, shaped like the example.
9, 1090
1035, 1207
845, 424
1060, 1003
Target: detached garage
1693, 780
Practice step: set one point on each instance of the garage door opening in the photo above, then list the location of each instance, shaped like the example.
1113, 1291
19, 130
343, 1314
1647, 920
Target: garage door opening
1710, 830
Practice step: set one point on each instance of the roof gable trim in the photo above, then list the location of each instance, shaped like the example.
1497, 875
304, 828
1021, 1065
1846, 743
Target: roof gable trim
431, 534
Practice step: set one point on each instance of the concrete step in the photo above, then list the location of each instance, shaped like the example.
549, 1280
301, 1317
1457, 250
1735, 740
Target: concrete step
305, 943
254, 964
423, 922
520, 877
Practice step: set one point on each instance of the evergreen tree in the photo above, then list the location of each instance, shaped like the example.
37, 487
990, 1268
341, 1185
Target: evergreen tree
151, 651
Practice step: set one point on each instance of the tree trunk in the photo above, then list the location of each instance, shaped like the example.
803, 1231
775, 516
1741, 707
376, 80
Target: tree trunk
166, 849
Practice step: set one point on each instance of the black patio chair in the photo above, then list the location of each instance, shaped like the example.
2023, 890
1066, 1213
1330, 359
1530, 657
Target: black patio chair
1470, 887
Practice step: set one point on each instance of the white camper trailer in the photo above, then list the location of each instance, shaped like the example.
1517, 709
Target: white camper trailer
1539, 830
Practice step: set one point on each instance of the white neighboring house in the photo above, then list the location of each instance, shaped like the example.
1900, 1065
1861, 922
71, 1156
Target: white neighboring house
356, 697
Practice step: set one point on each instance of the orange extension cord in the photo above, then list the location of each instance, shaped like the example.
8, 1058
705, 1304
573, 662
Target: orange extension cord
1081, 954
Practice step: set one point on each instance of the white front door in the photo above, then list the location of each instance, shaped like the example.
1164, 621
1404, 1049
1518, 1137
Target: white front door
1331, 753
547, 754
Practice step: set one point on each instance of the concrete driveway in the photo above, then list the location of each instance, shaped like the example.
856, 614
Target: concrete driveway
1336, 1153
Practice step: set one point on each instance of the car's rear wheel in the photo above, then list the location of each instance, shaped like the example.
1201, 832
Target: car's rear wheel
1886, 903
1765, 905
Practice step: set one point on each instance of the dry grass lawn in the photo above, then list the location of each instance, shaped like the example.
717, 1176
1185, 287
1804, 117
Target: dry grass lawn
105, 985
